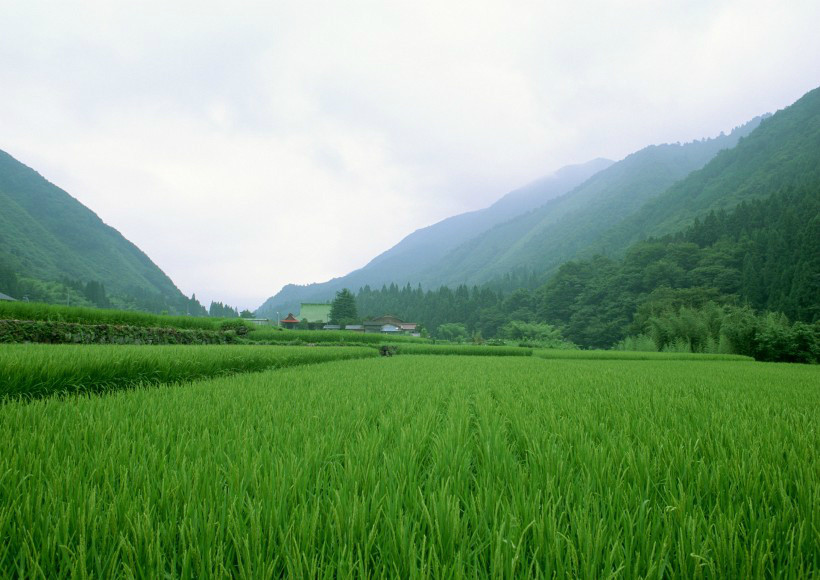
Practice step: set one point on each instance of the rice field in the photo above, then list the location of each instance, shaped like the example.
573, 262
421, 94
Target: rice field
461, 350
288, 336
84, 315
423, 466
635, 355
43, 369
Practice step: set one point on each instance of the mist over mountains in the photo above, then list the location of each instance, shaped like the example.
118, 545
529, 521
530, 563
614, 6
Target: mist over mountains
534, 228
408, 260
729, 254
51, 245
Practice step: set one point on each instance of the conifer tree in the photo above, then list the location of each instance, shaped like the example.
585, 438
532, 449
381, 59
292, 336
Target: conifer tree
343, 308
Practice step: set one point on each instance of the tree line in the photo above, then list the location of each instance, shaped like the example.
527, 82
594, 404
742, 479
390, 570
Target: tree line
760, 260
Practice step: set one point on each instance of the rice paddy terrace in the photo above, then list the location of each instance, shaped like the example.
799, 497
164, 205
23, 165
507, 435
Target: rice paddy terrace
405, 466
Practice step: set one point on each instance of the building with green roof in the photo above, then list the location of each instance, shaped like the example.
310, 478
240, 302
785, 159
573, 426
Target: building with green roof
314, 312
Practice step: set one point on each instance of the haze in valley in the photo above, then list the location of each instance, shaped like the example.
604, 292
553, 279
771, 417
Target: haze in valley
247, 145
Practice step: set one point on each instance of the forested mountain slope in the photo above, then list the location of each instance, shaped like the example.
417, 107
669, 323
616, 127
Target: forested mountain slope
555, 224
542, 239
783, 152
739, 254
764, 254
47, 236
406, 260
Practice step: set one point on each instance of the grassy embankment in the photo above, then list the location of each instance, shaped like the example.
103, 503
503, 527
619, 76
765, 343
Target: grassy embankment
458, 349
635, 355
90, 317
40, 370
423, 466
280, 336
82, 315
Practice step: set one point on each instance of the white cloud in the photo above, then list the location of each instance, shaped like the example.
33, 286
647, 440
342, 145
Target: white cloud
245, 145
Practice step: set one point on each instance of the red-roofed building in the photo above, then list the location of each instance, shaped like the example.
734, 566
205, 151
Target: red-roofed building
290, 322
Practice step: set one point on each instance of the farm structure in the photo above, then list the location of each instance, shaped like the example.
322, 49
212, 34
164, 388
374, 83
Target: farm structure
290, 321
314, 312
389, 324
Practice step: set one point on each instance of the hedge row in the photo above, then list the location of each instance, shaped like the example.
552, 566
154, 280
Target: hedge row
54, 332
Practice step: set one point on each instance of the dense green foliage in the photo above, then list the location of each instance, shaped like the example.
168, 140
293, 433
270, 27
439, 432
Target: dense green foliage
477, 309
766, 254
534, 333
38, 370
713, 328
423, 467
83, 315
343, 308
220, 310
47, 236
452, 332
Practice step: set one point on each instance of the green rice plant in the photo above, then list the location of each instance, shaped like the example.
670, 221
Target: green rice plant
39, 370
461, 350
636, 355
282, 336
51, 332
423, 466
83, 315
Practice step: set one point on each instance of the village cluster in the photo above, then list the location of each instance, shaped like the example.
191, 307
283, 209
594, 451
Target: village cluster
317, 316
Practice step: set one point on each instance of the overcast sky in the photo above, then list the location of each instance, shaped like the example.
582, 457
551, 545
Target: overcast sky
246, 145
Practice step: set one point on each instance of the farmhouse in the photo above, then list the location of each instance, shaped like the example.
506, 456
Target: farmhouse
290, 322
7, 297
389, 324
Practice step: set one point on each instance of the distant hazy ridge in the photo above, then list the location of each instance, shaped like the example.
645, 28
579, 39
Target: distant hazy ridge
536, 228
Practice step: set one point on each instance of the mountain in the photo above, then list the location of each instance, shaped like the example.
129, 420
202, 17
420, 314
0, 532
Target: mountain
559, 230
735, 242
782, 153
656, 191
406, 260
47, 237
763, 254
535, 228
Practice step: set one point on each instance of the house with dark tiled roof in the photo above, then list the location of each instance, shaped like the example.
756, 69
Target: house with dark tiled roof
389, 324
